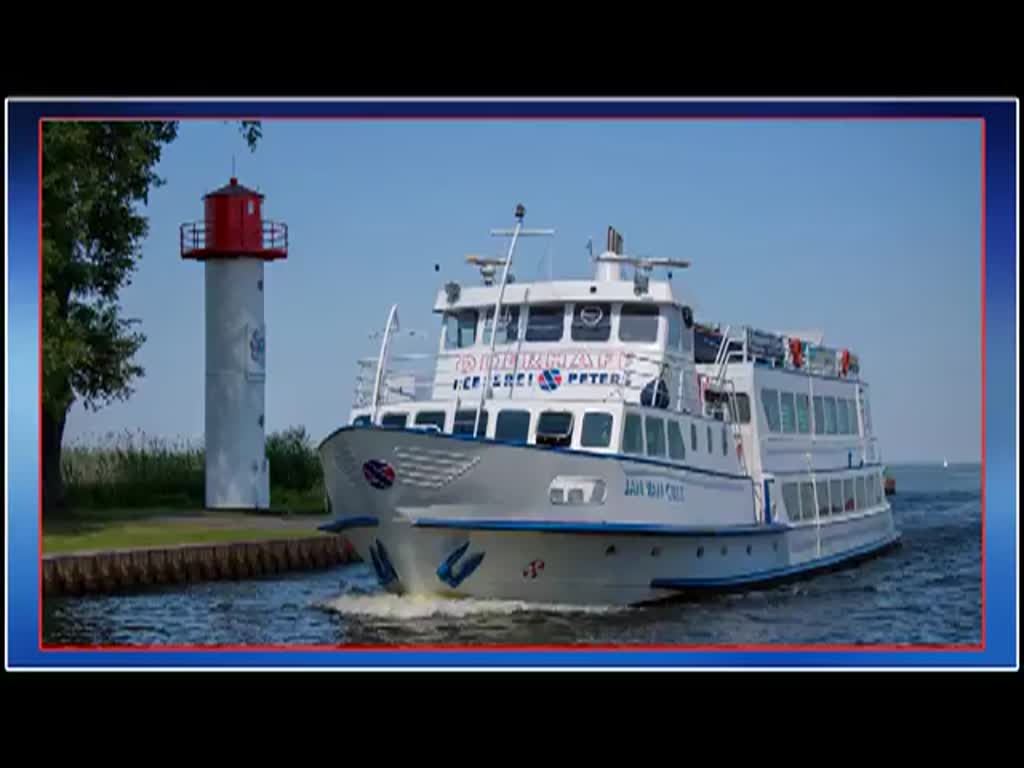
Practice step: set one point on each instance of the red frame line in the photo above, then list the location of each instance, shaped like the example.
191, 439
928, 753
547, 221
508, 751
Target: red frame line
455, 649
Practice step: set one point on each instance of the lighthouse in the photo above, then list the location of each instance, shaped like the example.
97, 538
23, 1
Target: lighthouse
234, 243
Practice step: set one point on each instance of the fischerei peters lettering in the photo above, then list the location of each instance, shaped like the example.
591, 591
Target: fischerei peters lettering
547, 370
655, 488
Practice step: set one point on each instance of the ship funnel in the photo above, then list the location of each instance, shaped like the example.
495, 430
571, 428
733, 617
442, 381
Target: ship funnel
608, 270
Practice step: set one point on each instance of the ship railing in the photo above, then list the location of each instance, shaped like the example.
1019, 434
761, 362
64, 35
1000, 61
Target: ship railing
406, 378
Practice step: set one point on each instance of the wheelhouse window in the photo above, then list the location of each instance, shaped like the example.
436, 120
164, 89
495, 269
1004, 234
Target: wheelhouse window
513, 426
592, 322
394, 420
770, 401
465, 421
508, 326
830, 416
844, 417
633, 435
803, 417
554, 428
596, 431
788, 413
676, 445
545, 323
430, 419
638, 322
655, 429
460, 329
819, 416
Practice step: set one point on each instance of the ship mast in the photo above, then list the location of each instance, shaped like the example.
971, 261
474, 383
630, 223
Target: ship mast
516, 233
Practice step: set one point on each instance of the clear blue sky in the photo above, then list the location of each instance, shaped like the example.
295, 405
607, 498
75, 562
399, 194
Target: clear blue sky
867, 230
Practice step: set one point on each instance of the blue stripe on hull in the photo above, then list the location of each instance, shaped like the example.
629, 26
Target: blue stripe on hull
344, 523
552, 526
778, 573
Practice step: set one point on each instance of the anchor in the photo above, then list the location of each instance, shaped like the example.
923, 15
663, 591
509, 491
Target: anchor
446, 573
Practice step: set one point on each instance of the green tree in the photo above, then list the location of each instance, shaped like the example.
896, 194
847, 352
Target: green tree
96, 178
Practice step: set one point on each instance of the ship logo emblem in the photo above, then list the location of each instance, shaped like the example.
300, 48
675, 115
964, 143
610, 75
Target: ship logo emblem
379, 474
550, 379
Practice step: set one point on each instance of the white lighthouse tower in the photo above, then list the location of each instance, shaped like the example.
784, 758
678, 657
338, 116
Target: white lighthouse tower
234, 243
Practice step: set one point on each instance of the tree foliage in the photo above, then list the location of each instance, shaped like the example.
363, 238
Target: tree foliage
97, 177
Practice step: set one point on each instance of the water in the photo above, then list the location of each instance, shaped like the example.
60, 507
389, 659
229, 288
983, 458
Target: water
928, 591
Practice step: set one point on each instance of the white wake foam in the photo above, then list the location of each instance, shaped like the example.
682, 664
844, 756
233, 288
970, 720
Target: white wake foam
409, 607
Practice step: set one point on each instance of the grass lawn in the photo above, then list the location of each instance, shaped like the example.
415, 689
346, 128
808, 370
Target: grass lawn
156, 527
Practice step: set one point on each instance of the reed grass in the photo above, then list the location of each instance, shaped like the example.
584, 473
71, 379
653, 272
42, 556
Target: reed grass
131, 469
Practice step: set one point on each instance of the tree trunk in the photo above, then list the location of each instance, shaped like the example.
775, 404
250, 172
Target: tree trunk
54, 499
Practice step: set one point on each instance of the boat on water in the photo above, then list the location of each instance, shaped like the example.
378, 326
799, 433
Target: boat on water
597, 445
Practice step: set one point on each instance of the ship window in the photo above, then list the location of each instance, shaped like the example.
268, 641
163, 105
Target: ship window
508, 325
742, 404
844, 417
830, 415
851, 409
867, 416
513, 426
430, 418
803, 417
655, 436
596, 431
770, 399
725, 443
633, 435
675, 329
460, 329
592, 322
788, 412
849, 504
710, 450
822, 498
693, 437
465, 420
861, 493
806, 501
836, 488
819, 416
873, 494
545, 323
676, 445
638, 322
791, 498
394, 420
554, 428
361, 421
685, 336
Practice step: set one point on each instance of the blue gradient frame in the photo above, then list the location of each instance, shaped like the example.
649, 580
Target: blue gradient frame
1000, 565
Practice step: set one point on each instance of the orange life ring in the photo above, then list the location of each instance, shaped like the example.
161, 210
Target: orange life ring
796, 350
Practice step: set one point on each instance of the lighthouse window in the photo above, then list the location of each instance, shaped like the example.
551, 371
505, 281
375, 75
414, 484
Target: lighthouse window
592, 322
819, 416
638, 322
465, 421
788, 413
770, 399
596, 431
513, 426
633, 435
460, 329
830, 415
655, 436
836, 488
252, 208
554, 428
508, 326
676, 445
545, 323
803, 417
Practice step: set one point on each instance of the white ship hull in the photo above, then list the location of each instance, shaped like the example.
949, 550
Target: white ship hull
439, 514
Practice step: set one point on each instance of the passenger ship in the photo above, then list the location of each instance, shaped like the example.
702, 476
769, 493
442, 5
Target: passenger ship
602, 447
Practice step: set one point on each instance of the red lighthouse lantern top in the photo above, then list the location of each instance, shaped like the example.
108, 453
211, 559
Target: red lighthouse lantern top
234, 228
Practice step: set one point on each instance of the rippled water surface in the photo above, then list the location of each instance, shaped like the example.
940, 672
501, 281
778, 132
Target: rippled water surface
927, 591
